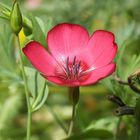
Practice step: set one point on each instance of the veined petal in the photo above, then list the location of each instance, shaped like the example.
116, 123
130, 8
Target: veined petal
40, 58
53, 79
102, 48
56, 80
99, 74
67, 39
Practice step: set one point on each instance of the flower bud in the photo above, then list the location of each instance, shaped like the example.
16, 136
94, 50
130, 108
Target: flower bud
115, 99
125, 110
136, 73
16, 18
134, 81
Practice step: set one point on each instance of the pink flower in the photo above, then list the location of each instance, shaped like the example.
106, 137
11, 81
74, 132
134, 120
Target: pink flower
74, 57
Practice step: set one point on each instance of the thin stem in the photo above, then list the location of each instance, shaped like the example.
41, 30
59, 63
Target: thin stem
57, 119
118, 128
117, 100
36, 86
136, 135
120, 81
132, 85
71, 127
74, 98
26, 92
40, 95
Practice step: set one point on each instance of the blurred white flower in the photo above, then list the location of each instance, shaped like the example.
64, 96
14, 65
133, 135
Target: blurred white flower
33, 4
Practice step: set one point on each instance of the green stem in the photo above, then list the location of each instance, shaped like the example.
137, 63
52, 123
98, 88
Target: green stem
57, 119
37, 100
136, 135
71, 127
118, 128
26, 92
36, 86
74, 98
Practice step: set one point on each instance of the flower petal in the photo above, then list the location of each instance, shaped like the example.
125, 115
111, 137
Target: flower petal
53, 79
99, 74
67, 39
40, 58
95, 76
102, 48
56, 80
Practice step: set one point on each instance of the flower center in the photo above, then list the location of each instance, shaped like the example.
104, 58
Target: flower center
72, 70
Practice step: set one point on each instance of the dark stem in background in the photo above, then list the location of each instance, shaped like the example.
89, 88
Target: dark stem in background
74, 98
132, 85
122, 109
129, 82
116, 100
120, 80
136, 133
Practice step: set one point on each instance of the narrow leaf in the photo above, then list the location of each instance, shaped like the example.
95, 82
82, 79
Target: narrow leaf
37, 87
37, 32
92, 134
41, 98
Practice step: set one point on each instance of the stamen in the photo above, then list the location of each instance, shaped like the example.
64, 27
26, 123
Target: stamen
79, 64
74, 60
74, 70
67, 66
77, 67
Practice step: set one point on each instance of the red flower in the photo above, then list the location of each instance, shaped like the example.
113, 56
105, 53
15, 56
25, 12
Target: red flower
75, 58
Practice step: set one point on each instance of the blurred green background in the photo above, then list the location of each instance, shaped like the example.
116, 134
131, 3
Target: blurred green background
94, 110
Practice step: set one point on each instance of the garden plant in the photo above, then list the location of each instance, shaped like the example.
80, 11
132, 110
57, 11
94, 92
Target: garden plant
69, 70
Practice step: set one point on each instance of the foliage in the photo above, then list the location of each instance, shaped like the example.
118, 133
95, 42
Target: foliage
94, 114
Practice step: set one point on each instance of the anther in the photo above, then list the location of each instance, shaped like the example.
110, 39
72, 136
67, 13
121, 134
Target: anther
79, 64
67, 66
73, 70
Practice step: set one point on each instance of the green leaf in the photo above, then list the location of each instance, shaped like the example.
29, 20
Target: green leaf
104, 123
37, 87
41, 98
92, 134
30, 73
125, 34
4, 17
119, 57
6, 14
48, 22
38, 32
134, 64
12, 104
4, 7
